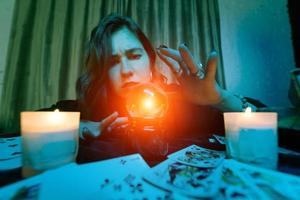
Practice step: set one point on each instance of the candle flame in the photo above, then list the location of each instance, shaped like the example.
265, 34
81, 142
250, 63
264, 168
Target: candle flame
55, 117
248, 110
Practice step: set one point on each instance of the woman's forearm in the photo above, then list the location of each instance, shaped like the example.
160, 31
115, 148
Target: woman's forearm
232, 103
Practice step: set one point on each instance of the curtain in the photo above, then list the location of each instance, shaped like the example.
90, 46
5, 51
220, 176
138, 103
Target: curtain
46, 50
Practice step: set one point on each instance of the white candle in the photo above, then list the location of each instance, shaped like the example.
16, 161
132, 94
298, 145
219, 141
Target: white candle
252, 137
49, 139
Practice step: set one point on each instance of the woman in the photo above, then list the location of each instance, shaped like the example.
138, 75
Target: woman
119, 56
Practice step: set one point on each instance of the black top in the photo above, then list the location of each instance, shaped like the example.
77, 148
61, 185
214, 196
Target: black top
185, 124
183, 120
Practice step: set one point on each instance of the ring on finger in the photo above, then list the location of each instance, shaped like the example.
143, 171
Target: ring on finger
199, 73
179, 72
200, 65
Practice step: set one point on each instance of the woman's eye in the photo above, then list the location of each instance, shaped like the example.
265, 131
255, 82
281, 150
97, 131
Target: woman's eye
134, 56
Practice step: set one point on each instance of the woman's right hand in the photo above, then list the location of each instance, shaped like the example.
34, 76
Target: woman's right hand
94, 129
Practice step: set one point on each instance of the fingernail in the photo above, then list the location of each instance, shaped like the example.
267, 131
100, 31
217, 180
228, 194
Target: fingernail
213, 54
162, 46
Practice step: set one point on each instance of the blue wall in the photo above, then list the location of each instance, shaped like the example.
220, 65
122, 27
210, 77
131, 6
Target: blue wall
257, 49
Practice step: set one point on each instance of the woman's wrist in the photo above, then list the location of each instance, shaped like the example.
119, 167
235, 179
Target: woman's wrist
89, 129
232, 103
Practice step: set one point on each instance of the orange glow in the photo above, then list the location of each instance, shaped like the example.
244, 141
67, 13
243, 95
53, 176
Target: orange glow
148, 103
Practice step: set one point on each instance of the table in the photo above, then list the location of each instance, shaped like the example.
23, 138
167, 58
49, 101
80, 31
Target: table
289, 161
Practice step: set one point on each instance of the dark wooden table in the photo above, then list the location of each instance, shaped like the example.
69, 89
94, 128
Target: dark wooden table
289, 161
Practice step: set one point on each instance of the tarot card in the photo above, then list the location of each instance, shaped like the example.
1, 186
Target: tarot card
10, 148
29, 188
275, 185
288, 152
82, 181
220, 139
28, 192
185, 179
198, 157
233, 186
132, 186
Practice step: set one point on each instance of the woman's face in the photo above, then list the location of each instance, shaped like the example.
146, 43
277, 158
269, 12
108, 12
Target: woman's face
130, 62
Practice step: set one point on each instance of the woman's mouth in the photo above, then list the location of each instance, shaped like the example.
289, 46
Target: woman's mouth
129, 84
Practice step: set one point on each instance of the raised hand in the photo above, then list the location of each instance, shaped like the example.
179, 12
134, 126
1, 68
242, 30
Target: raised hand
197, 82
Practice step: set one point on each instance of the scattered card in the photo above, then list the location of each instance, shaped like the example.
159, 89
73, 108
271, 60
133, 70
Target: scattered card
275, 185
10, 148
82, 181
29, 188
233, 186
199, 157
185, 179
133, 187
219, 138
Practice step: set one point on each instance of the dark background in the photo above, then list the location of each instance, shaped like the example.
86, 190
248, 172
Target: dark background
293, 7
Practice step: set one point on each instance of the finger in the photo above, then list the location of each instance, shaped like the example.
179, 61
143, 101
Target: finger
122, 127
172, 64
120, 121
172, 53
108, 120
188, 58
184, 67
211, 66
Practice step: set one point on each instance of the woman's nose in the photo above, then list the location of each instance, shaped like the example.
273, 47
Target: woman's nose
126, 69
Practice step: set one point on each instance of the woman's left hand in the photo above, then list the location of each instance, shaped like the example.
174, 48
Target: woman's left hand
197, 82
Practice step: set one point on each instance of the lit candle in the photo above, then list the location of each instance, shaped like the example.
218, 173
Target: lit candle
252, 137
49, 139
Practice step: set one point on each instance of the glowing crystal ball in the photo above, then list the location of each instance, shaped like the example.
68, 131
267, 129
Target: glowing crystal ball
146, 101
